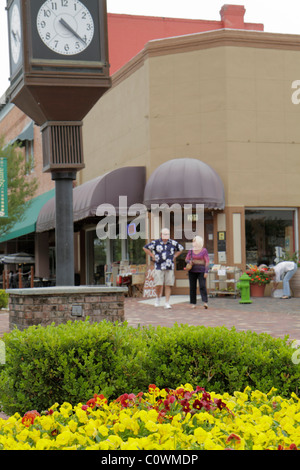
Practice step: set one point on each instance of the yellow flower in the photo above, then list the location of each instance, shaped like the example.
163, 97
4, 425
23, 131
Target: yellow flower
72, 425
152, 426
118, 427
23, 435
200, 435
211, 445
115, 441
47, 422
287, 424
258, 396
91, 429
264, 424
81, 415
66, 410
43, 444
241, 397
103, 430
131, 444
65, 438
34, 434
205, 416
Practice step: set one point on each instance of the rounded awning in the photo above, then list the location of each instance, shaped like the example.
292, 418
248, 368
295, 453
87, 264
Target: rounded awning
105, 189
185, 181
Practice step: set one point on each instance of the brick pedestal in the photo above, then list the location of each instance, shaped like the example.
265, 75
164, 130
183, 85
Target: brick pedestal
43, 306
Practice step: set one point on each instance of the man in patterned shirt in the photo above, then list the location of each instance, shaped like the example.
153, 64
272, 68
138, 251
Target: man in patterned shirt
163, 252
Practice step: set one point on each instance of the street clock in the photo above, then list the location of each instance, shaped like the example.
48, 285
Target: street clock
58, 71
15, 37
58, 57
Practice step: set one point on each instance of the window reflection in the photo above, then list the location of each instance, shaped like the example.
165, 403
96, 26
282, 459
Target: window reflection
269, 234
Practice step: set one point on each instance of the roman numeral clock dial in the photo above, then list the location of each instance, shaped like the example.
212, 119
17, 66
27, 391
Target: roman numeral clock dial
65, 26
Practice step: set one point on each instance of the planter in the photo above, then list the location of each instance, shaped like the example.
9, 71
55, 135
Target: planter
295, 283
257, 291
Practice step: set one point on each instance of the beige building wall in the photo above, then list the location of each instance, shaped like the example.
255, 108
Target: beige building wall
263, 126
223, 97
188, 108
116, 131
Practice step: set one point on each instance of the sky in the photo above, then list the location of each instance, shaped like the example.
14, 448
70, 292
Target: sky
277, 17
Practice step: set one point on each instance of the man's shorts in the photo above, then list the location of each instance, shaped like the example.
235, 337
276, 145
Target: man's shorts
165, 277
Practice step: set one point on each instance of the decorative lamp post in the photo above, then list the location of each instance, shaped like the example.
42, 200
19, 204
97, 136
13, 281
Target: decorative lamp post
59, 70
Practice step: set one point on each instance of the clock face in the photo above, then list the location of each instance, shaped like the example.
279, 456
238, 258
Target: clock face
65, 26
15, 34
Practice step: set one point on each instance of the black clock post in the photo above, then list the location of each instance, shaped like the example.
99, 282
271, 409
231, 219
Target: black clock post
59, 70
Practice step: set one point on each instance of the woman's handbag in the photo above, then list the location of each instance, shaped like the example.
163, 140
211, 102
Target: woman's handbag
189, 265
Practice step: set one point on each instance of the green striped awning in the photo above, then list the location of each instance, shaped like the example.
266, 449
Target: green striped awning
28, 223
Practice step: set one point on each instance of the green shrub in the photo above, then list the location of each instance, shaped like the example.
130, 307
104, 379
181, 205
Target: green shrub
72, 362
65, 363
3, 299
222, 359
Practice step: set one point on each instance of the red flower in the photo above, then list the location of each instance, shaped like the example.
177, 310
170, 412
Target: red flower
185, 406
197, 405
293, 447
29, 418
233, 437
100, 400
220, 404
127, 400
180, 392
91, 403
168, 401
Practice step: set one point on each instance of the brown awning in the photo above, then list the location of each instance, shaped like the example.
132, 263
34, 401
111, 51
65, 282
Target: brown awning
185, 181
105, 189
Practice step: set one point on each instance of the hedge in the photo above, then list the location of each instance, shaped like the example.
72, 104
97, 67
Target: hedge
72, 362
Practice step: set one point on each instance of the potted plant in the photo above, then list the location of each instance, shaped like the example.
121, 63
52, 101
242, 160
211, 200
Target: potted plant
259, 278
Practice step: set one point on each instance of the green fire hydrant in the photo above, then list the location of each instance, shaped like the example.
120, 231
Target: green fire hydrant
244, 286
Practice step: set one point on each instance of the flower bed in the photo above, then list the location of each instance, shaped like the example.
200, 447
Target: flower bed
181, 419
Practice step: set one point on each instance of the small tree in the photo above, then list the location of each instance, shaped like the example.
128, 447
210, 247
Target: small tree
21, 188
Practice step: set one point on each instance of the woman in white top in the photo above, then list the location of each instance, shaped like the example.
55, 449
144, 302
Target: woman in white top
284, 271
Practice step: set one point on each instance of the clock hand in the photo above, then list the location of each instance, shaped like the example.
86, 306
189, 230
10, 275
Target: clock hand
14, 35
69, 28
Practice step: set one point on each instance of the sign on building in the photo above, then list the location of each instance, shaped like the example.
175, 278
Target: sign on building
3, 188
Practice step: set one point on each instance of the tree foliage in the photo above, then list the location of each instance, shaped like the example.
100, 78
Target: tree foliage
21, 187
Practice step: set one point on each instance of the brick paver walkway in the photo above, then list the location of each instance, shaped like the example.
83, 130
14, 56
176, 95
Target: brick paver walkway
265, 315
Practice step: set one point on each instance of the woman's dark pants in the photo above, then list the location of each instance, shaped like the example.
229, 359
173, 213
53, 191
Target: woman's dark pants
193, 278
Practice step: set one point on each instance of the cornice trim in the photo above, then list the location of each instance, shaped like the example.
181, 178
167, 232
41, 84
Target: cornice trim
206, 40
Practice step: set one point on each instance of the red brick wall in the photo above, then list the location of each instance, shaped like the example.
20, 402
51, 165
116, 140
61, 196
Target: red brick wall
128, 34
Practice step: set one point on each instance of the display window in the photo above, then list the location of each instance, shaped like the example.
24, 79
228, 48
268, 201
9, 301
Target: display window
270, 235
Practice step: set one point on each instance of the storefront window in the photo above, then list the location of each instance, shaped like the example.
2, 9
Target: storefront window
270, 234
135, 251
119, 250
96, 258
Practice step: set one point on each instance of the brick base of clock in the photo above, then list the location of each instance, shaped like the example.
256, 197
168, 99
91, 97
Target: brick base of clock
44, 306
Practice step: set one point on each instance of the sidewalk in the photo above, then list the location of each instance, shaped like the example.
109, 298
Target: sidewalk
276, 317
265, 315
